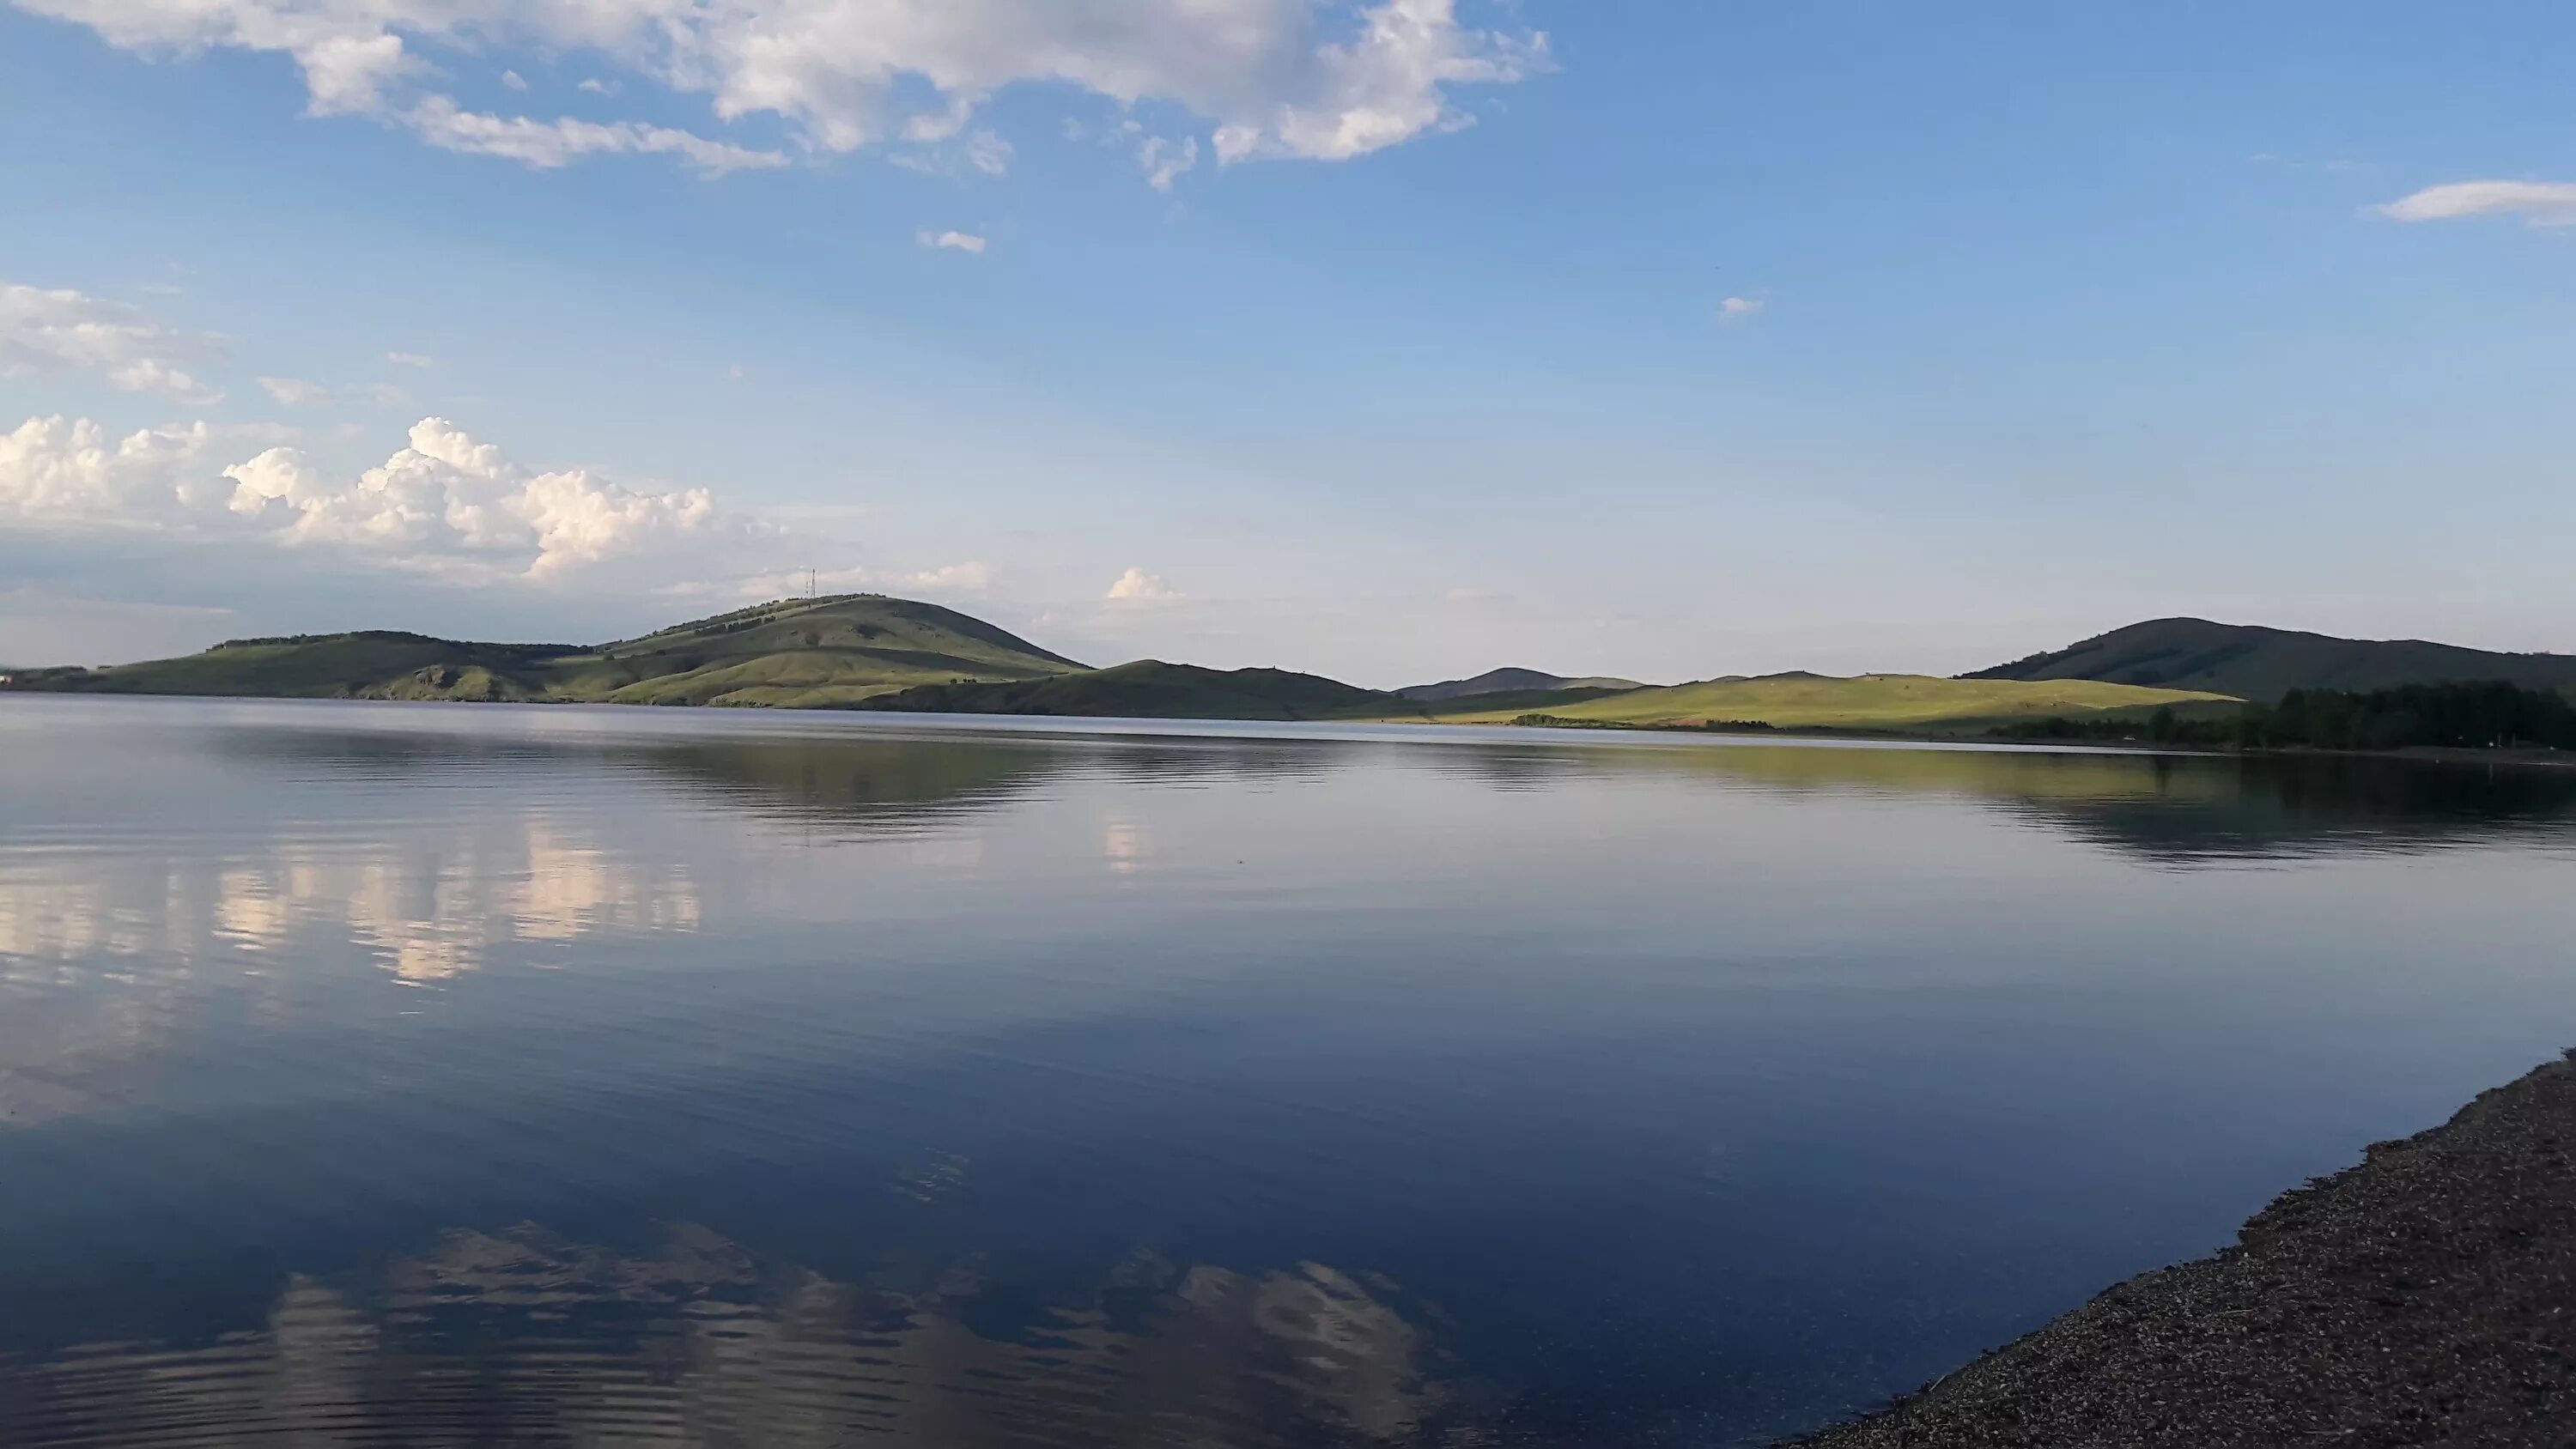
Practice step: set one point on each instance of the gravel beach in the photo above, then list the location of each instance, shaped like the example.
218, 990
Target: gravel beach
2424, 1297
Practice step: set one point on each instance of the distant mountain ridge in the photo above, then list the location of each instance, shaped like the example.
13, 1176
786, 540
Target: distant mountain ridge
869, 651
1510, 681
805, 653
2263, 664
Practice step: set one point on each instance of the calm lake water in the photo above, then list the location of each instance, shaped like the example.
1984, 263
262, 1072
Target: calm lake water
426, 1074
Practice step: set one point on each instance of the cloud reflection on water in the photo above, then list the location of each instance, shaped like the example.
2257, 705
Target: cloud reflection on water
522, 1336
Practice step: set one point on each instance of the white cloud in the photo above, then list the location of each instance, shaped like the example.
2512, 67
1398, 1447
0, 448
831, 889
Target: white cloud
59, 330
1736, 309
386, 394
955, 241
295, 392
2540, 203
597, 87
70, 470
1138, 586
410, 359
956, 578
1386, 86
1311, 79
447, 503
546, 145
449, 498
514, 80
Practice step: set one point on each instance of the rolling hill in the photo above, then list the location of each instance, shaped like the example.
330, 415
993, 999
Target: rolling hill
2256, 663
1147, 689
1509, 681
1906, 702
793, 653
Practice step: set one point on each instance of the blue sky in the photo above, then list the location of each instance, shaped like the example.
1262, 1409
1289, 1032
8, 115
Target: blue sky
2044, 319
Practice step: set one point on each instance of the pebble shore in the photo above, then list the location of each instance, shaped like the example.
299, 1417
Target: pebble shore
2426, 1296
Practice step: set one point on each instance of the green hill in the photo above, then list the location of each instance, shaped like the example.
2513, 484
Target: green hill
1509, 681
793, 653
2262, 664
1909, 702
1147, 689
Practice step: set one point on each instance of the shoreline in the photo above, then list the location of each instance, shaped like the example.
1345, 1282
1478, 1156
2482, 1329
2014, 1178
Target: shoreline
2427, 754
2426, 1295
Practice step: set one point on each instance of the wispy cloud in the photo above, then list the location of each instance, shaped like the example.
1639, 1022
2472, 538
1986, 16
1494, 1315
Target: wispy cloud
61, 330
295, 391
1166, 161
2538, 203
410, 359
1736, 309
954, 241
988, 153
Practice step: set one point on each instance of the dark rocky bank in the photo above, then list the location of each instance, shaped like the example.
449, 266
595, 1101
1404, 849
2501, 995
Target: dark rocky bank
2424, 1297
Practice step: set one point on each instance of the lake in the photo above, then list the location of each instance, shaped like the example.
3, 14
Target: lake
485, 1074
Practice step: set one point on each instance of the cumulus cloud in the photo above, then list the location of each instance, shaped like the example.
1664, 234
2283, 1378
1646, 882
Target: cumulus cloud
1138, 586
60, 330
1309, 79
295, 392
446, 503
955, 241
70, 469
2539, 203
1736, 309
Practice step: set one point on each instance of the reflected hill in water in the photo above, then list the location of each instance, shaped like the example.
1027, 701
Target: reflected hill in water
872, 782
520, 1336
2166, 808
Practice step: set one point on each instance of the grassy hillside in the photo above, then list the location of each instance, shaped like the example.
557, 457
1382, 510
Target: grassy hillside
1509, 681
801, 654
796, 652
1910, 702
2262, 664
327, 666
1148, 689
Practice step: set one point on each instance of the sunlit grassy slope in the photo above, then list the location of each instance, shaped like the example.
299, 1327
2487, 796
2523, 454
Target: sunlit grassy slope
1910, 702
797, 652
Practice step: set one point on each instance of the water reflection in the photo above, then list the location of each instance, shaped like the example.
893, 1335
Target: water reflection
1708, 1089
2169, 808
523, 1336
